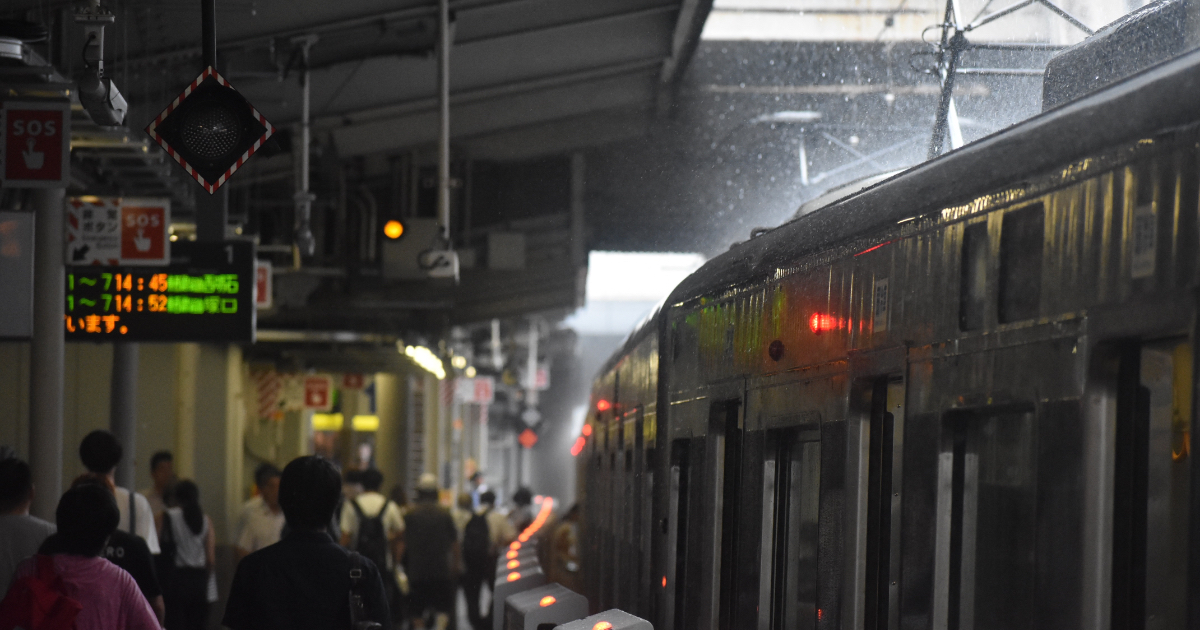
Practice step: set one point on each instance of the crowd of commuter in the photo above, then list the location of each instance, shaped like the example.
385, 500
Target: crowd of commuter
314, 549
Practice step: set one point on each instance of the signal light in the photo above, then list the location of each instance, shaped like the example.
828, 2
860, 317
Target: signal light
603, 405
511, 554
547, 601
664, 581
821, 322
514, 576
577, 447
603, 625
512, 564
514, 545
393, 229
587, 430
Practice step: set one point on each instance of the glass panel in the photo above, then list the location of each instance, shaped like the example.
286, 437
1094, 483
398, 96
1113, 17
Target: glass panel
1021, 244
796, 581
993, 521
973, 290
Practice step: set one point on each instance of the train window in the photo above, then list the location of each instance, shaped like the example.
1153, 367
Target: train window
973, 289
1021, 244
990, 577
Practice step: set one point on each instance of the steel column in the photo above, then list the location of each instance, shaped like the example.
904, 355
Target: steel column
46, 353
123, 408
444, 121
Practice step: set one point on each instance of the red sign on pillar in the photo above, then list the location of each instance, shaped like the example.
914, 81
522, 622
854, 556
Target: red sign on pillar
318, 393
36, 138
262, 283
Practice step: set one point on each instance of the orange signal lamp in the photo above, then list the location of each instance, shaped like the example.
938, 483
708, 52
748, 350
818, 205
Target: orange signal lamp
547, 601
587, 430
664, 581
393, 229
577, 447
603, 405
511, 554
514, 545
512, 564
514, 576
603, 625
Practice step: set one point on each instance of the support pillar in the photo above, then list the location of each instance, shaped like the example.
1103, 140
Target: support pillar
122, 416
46, 353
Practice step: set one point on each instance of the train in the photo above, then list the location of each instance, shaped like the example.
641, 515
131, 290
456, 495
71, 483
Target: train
962, 397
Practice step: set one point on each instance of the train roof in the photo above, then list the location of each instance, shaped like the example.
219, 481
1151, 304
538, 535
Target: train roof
1160, 98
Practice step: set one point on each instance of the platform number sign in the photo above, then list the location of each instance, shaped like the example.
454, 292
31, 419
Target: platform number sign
36, 141
880, 309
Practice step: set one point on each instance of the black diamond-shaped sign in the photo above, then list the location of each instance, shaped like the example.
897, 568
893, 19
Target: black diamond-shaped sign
210, 129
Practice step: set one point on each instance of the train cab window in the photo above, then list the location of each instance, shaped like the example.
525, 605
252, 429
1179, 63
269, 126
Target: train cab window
990, 575
973, 290
1021, 244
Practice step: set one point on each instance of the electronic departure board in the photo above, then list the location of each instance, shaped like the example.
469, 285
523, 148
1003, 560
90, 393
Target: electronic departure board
205, 294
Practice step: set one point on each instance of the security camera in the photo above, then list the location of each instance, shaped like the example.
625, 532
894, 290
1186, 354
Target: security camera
102, 100
97, 93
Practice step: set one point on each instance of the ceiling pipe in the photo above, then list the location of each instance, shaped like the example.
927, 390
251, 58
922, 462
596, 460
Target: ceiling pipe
306, 243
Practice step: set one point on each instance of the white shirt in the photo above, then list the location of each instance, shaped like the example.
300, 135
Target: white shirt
262, 528
190, 549
144, 526
255, 503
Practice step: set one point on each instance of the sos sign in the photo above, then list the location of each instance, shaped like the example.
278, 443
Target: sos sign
36, 141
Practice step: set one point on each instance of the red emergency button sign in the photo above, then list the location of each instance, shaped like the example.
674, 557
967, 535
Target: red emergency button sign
36, 144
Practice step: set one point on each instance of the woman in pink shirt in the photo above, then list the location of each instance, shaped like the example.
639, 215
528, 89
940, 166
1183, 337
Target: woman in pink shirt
109, 598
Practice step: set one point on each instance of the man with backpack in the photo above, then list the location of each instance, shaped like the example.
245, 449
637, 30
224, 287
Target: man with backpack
372, 525
484, 536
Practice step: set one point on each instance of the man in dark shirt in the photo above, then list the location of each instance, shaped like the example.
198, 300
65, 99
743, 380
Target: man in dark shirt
304, 581
433, 557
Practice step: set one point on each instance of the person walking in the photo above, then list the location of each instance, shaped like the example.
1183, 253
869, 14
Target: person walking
20, 533
432, 559
371, 524
127, 551
484, 536
191, 531
264, 522
101, 452
306, 580
103, 595
521, 515
162, 475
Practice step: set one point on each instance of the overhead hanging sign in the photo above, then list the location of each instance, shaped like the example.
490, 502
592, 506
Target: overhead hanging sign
117, 231
205, 294
36, 141
210, 129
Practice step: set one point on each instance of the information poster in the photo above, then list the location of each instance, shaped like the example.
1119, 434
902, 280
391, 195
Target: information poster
205, 294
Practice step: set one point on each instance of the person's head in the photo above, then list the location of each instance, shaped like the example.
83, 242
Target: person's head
427, 488
162, 469
477, 478
100, 452
372, 480
523, 497
187, 495
86, 516
487, 498
270, 490
263, 472
16, 486
309, 491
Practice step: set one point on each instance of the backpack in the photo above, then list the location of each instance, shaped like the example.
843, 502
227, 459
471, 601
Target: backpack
372, 537
38, 602
477, 545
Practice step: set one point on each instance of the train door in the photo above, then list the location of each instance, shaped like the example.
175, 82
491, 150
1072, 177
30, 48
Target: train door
1151, 487
791, 483
881, 569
